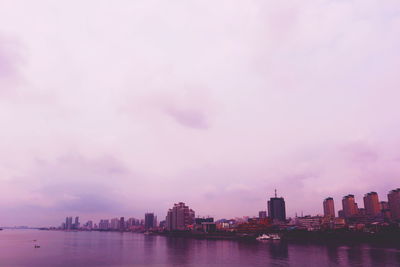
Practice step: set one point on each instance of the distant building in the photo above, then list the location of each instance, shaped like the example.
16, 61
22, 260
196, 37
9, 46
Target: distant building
163, 224
385, 211
121, 224
371, 204
199, 220
340, 214
329, 208
89, 225
311, 223
350, 207
114, 224
68, 223
76, 224
262, 214
394, 203
149, 220
104, 225
277, 209
179, 217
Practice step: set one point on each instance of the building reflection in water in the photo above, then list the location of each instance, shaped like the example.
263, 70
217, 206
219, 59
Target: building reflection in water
179, 251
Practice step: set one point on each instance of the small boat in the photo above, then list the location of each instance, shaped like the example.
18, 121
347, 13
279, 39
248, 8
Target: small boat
275, 237
264, 237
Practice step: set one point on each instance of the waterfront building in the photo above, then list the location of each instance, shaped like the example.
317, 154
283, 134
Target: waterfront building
76, 224
254, 226
311, 223
350, 207
89, 225
149, 220
180, 217
394, 203
121, 224
104, 225
277, 209
199, 220
163, 224
329, 208
262, 214
385, 211
68, 223
114, 224
371, 204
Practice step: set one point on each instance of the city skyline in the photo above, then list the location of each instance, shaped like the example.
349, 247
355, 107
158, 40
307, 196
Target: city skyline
349, 209
110, 109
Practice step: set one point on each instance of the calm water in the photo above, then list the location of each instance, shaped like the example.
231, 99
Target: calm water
129, 249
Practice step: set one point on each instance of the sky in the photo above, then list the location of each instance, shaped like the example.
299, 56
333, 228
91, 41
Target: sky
117, 108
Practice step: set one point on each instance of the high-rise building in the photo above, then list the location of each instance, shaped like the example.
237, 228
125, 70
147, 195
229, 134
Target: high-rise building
104, 225
350, 207
179, 217
149, 220
121, 226
394, 203
277, 209
262, 214
76, 224
114, 224
371, 204
329, 208
68, 223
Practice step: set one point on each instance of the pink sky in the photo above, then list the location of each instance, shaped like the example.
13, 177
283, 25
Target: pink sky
115, 108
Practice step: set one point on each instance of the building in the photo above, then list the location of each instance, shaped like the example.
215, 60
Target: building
276, 209
371, 204
104, 225
68, 223
121, 224
180, 217
350, 207
329, 208
385, 211
254, 226
114, 224
311, 223
199, 220
149, 220
89, 225
394, 203
76, 224
340, 214
262, 214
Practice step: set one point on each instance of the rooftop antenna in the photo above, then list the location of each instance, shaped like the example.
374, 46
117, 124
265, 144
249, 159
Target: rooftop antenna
275, 192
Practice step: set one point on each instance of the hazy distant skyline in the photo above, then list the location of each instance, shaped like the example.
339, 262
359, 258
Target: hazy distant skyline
115, 108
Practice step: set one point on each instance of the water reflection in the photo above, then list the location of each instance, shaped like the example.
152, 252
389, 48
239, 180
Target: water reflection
179, 250
128, 249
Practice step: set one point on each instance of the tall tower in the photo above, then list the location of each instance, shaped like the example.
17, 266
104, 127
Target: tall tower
329, 207
179, 217
149, 220
350, 207
371, 204
394, 203
276, 208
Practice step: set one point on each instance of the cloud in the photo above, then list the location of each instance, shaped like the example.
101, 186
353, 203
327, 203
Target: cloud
189, 118
10, 63
158, 104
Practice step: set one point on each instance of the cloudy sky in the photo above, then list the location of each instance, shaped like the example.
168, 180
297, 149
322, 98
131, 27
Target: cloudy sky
115, 108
